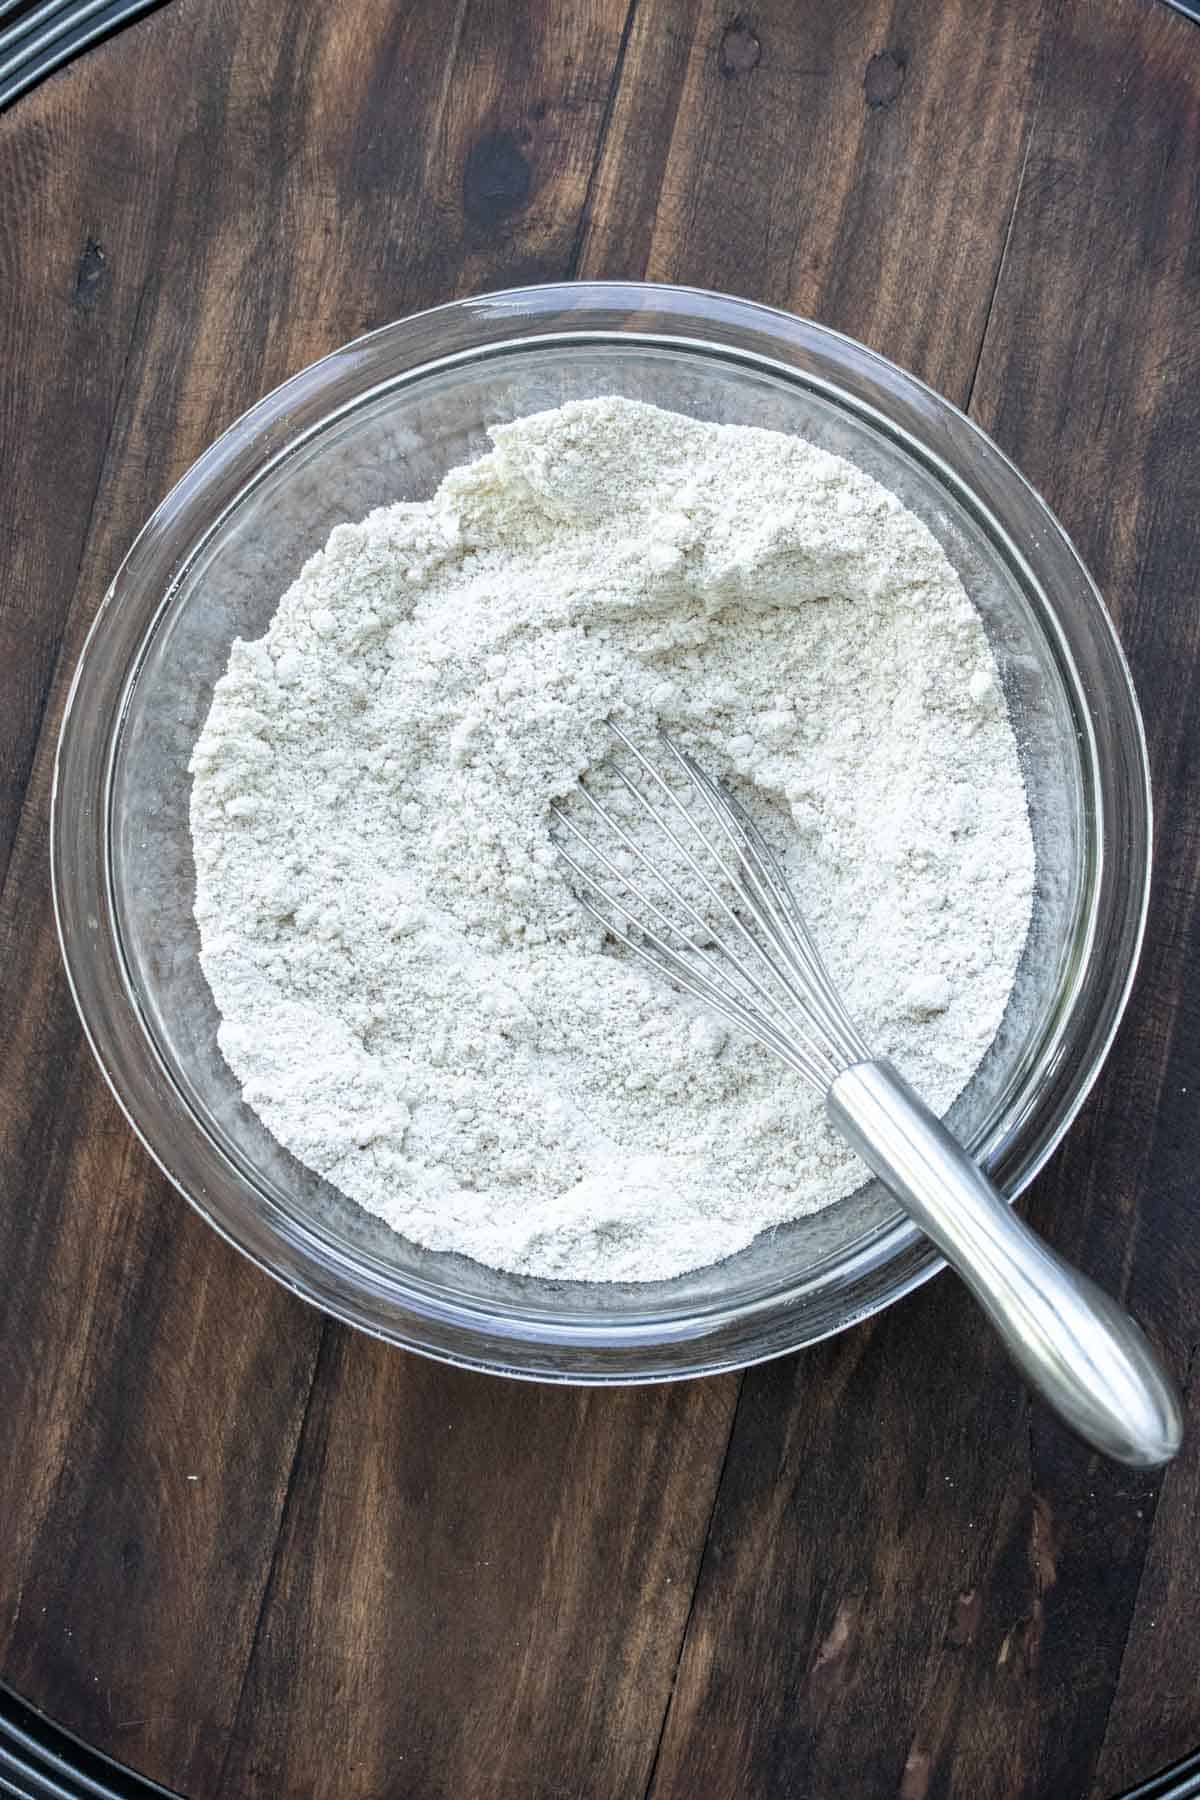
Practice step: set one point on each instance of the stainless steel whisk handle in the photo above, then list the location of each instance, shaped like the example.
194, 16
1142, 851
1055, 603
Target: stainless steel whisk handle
1075, 1345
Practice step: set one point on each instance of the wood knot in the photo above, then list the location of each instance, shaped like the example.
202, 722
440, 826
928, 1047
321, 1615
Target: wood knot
89, 274
884, 77
497, 179
740, 50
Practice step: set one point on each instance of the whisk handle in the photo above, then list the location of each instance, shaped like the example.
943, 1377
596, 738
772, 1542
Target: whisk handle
1075, 1345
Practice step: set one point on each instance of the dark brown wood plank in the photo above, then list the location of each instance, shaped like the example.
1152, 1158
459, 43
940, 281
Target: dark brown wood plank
1106, 421
856, 164
870, 1486
146, 1462
946, 1605
481, 1586
67, 327
144, 1368
1153, 1719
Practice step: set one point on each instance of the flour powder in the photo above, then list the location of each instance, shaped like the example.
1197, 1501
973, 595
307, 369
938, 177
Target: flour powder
412, 1000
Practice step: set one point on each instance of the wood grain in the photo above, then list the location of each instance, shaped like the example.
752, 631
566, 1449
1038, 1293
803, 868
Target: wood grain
1153, 1712
854, 164
1106, 423
871, 1570
481, 1588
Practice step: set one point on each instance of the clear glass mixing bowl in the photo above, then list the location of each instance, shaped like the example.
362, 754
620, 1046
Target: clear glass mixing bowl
383, 419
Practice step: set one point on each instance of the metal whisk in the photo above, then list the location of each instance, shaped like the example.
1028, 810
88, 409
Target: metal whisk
698, 893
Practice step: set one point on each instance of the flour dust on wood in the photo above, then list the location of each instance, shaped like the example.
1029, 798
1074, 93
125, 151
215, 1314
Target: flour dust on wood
411, 998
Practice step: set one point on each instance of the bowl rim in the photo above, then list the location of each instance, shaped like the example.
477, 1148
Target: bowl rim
743, 1332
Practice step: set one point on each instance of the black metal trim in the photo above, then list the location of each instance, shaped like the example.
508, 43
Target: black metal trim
41, 35
41, 1761
1180, 1782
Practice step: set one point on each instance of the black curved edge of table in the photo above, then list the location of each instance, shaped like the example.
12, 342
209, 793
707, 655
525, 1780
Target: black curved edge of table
39, 36
39, 1760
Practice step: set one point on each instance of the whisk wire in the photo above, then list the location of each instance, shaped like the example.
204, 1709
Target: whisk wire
819, 998
719, 973
692, 861
797, 994
727, 1008
809, 1029
737, 827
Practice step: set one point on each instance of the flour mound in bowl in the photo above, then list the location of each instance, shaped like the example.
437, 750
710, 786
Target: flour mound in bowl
411, 999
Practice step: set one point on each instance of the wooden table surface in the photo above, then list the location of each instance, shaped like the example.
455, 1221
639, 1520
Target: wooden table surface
253, 1554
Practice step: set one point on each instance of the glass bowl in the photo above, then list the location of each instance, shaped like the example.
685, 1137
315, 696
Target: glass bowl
383, 419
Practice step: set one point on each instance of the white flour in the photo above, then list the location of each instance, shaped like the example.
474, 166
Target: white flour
413, 1002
